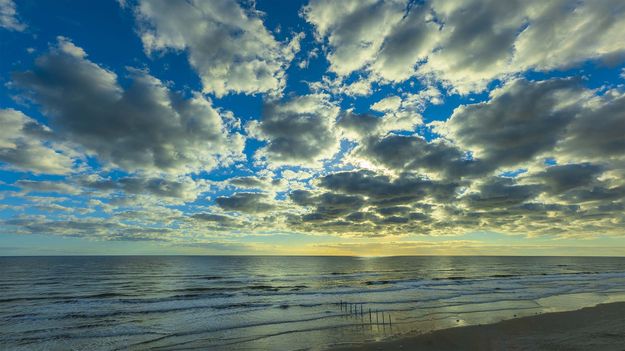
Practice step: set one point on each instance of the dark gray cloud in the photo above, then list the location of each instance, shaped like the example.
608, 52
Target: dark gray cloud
246, 202
299, 131
409, 42
597, 133
399, 152
370, 204
359, 124
364, 203
145, 127
185, 189
384, 190
599, 193
500, 192
520, 121
561, 178
394, 210
330, 206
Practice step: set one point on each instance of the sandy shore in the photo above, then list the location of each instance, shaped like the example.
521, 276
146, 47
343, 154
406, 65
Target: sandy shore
595, 328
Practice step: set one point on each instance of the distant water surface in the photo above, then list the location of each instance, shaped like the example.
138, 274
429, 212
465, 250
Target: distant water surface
278, 303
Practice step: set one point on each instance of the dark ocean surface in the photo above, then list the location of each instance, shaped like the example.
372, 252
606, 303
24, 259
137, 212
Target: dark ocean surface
279, 303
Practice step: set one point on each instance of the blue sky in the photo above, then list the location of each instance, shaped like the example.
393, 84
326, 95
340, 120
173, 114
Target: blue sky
321, 127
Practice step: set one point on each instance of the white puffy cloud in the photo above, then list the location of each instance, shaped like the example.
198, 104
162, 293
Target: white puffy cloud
227, 45
391, 103
355, 29
466, 44
9, 18
25, 145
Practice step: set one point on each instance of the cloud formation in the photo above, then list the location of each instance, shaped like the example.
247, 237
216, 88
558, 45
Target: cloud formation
227, 44
523, 118
9, 18
25, 145
145, 127
401, 119
298, 131
465, 44
245, 202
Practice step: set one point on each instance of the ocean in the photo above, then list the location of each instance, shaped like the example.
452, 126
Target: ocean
279, 303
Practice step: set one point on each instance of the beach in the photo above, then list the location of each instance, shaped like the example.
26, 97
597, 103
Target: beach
594, 328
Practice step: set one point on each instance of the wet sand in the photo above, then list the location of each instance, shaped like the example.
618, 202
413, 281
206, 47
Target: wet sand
595, 328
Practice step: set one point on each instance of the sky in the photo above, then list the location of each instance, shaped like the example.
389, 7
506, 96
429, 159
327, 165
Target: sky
364, 127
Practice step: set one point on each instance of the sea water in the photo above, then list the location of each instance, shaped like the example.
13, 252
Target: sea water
279, 303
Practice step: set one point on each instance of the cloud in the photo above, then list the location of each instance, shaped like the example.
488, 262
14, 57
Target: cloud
524, 119
330, 206
136, 159
358, 126
58, 187
561, 178
227, 45
218, 221
391, 103
257, 183
25, 145
184, 188
145, 127
596, 134
466, 44
381, 189
9, 18
94, 228
354, 29
409, 43
529, 120
245, 202
300, 131
365, 203
500, 192
412, 152
605, 196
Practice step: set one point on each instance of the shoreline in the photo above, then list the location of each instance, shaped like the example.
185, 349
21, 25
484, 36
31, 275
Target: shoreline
601, 327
